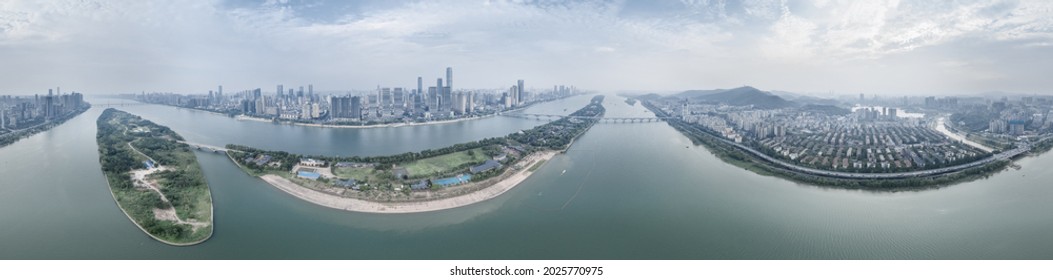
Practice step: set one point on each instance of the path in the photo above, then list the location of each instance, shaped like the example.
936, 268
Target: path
169, 214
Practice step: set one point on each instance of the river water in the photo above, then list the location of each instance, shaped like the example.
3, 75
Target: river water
630, 191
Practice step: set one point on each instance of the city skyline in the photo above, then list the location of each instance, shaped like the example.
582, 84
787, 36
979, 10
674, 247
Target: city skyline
910, 48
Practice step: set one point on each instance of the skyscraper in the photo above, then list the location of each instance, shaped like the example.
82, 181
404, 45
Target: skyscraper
420, 85
432, 100
280, 91
449, 77
522, 93
220, 90
439, 94
356, 108
310, 90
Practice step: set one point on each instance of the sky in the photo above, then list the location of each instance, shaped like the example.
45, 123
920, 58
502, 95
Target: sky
819, 46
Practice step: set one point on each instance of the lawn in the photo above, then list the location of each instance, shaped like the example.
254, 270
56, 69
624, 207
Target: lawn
445, 163
362, 173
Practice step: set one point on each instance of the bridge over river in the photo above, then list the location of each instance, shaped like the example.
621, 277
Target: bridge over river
200, 146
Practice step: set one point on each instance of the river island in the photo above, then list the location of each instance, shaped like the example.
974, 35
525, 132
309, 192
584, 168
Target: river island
428, 180
155, 179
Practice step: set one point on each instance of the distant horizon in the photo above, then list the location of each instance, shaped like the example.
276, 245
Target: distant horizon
874, 47
988, 93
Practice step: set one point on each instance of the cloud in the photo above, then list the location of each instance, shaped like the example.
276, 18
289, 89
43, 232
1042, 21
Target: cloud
115, 46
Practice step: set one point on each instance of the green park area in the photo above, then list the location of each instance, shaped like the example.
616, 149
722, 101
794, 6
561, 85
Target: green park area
154, 178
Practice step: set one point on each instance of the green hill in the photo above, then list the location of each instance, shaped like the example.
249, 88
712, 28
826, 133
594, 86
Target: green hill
743, 96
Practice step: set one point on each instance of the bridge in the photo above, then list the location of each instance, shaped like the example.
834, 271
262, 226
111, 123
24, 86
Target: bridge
203, 147
601, 119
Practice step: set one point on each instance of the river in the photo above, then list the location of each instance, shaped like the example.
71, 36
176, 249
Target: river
630, 191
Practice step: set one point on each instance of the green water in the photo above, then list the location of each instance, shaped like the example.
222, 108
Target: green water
630, 191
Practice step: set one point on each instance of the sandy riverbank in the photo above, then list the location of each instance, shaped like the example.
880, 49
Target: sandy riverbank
358, 205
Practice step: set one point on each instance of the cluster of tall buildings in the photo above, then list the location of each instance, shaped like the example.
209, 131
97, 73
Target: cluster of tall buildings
874, 114
19, 111
383, 104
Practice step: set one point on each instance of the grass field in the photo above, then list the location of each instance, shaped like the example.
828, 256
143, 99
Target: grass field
445, 163
362, 173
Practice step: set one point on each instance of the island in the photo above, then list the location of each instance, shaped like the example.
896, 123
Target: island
155, 179
24, 116
823, 142
423, 181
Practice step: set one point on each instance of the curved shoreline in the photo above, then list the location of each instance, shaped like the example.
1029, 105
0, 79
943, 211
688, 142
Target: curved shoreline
212, 228
111, 122
831, 178
365, 206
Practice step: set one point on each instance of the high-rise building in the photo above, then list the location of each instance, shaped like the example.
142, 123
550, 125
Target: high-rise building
420, 85
356, 108
684, 112
513, 94
339, 107
49, 105
310, 90
447, 98
220, 90
449, 77
470, 103
280, 91
432, 100
399, 97
386, 99
522, 93
440, 102
458, 103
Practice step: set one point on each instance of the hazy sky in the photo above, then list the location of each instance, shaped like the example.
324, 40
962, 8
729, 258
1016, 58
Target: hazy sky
896, 47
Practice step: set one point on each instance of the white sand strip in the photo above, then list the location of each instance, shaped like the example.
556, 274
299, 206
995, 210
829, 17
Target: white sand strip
358, 205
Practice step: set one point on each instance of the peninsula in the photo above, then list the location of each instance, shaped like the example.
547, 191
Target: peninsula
873, 146
422, 181
155, 179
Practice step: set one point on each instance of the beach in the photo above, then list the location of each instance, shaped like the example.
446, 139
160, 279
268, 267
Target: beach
358, 205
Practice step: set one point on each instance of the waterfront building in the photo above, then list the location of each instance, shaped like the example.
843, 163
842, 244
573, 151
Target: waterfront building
449, 77
356, 108
521, 98
339, 107
440, 100
398, 97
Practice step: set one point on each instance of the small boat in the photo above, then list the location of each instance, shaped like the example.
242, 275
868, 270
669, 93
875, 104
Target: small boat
564, 172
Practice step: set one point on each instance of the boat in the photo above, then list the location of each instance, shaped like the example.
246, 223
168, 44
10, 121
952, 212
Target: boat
564, 172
